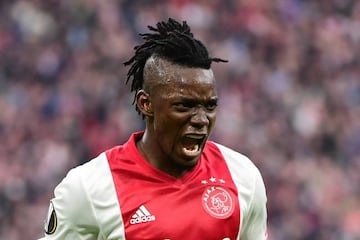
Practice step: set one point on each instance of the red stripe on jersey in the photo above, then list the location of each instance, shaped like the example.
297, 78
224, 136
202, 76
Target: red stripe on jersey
203, 204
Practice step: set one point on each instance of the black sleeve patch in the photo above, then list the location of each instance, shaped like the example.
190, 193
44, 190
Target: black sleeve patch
51, 220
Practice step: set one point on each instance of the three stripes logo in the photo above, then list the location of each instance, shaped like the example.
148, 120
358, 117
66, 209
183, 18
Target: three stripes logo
142, 215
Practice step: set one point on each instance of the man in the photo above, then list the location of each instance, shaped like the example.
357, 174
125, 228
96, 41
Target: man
169, 181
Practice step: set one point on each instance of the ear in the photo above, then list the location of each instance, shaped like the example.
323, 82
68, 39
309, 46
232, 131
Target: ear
143, 102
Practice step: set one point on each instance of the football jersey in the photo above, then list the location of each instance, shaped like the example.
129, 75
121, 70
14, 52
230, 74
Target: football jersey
119, 195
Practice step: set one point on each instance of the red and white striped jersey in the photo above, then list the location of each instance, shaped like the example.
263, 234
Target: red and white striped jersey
119, 195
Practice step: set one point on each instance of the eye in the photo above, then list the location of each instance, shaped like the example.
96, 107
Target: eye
182, 106
186, 106
211, 106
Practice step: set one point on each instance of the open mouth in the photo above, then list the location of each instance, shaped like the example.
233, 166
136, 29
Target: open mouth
192, 144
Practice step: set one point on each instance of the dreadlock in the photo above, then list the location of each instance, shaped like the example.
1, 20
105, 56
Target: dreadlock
172, 41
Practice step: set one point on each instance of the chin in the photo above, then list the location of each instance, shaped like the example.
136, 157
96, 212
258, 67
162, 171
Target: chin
189, 161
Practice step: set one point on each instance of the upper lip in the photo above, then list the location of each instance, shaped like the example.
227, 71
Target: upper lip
196, 135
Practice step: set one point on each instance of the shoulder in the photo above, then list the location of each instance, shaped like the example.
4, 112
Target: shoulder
238, 162
87, 197
80, 182
83, 175
251, 192
245, 174
93, 180
72, 205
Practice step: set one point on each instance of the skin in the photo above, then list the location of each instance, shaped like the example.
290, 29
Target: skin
176, 101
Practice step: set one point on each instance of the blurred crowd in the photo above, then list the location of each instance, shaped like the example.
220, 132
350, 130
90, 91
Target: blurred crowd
289, 99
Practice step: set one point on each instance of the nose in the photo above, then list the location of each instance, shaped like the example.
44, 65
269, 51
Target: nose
199, 117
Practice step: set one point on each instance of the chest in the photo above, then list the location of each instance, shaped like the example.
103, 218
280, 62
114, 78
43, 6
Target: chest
203, 206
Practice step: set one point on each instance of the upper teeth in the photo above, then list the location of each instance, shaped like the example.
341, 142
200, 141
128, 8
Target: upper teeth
193, 136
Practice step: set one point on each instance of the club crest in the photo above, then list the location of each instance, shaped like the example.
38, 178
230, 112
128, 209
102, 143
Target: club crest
217, 202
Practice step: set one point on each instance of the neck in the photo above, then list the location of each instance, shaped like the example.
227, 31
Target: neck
156, 159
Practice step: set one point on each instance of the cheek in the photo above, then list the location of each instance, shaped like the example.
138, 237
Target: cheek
169, 129
212, 120
167, 135
165, 126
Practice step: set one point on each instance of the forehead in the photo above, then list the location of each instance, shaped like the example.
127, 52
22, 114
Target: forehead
159, 72
166, 74
189, 82
181, 76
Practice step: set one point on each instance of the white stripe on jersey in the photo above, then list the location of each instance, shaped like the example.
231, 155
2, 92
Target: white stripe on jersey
99, 185
86, 204
251, 193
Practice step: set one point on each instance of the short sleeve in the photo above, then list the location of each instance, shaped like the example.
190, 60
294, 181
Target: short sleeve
70, 214
251, 194
255, 222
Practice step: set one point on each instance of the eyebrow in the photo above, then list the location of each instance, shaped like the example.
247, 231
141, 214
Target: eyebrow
213, 99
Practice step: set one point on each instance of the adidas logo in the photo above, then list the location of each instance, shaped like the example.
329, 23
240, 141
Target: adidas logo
142, 215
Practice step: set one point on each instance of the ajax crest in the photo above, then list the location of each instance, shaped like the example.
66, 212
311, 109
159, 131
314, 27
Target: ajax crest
217, 202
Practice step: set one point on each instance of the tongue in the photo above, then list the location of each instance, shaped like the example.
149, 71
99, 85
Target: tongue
191, 148
190, 144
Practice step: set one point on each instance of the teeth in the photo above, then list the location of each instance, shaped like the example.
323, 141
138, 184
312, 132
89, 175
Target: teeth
193, 146
194, 149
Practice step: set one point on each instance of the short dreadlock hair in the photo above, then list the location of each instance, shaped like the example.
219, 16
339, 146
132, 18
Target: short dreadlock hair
172, 41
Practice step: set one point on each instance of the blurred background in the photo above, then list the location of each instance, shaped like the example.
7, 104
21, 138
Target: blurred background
289, 99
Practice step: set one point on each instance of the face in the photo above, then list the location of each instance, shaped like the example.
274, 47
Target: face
183, 114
